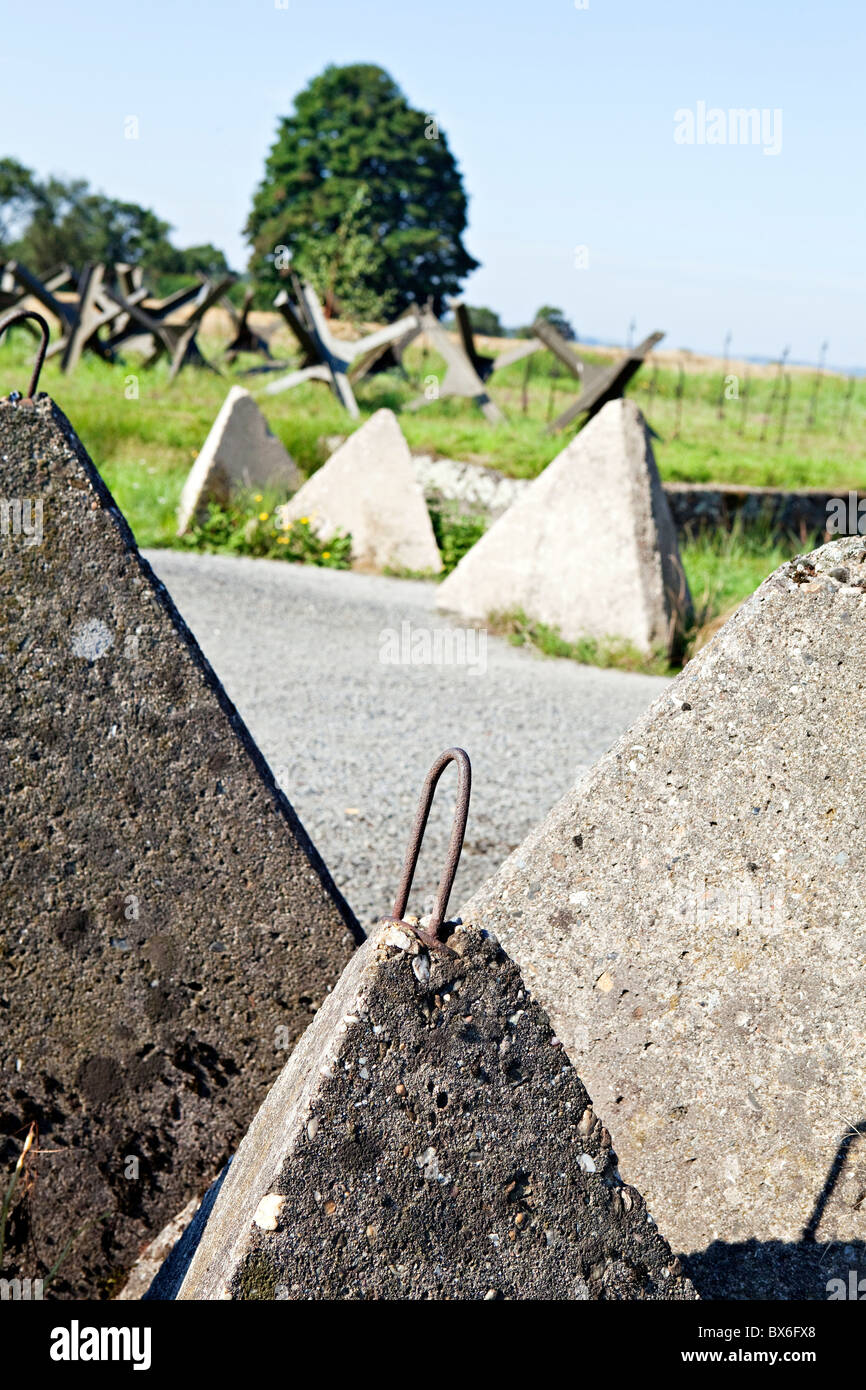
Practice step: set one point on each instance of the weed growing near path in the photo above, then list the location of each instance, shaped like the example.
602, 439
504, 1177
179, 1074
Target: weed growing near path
252, 528
455, 535
725, 567
522, 631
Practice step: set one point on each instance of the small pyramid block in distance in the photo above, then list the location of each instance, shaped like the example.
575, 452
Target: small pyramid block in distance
589, 548
428, 1138
239, 452
693, 916
167, 927
368, 489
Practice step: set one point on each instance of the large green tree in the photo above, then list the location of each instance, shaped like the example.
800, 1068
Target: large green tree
355, 150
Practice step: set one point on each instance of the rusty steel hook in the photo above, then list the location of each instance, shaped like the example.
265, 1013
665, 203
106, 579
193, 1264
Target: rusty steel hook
455, 845
18, 316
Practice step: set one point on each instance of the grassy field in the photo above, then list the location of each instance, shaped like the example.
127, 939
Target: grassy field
773, 434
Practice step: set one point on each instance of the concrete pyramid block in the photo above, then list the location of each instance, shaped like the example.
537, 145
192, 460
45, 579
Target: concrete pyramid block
167, 927
589, 547
428, 1139
368, 489
693, 916
239, 452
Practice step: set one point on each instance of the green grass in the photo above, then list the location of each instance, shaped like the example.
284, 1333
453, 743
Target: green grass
145, 447
251, 525
757, 449
522, 631
455, 535
723, 568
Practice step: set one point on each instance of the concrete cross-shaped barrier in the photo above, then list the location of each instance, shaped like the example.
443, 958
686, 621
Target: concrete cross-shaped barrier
13, 290
326, 358
247, 338
80, 319
129, 283
178, 340
600, 384
467, 369
115, 300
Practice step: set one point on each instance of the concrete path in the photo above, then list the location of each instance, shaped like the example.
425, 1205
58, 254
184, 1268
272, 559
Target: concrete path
350, 735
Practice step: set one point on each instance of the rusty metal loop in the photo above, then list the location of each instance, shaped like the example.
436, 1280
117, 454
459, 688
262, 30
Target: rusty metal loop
18, 316
455, 845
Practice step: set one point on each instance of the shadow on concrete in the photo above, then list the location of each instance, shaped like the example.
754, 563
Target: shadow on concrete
778, 1270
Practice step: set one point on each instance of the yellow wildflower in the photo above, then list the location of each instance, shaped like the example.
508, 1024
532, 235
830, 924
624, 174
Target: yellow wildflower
263, 516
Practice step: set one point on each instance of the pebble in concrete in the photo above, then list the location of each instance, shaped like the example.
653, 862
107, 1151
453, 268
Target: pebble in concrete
589, 548
167, 927
368, 489
239, 452
429, 1138
692, 915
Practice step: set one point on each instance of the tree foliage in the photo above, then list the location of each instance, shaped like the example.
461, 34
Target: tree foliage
485, 321
49, 222
556, 318
343, 266
353, 129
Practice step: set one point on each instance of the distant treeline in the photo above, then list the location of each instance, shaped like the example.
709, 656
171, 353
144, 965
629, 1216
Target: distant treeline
45, 223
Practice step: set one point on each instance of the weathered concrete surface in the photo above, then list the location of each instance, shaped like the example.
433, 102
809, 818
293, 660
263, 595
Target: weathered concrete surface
162, 910
368, 489
429, 1139
467, 487
692, 916
589, 548
239, 452
464, 368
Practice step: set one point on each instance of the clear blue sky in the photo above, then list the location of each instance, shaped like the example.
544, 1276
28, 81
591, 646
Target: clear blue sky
563, 124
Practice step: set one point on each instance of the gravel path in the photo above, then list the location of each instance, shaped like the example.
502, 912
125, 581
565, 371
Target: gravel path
350, 737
